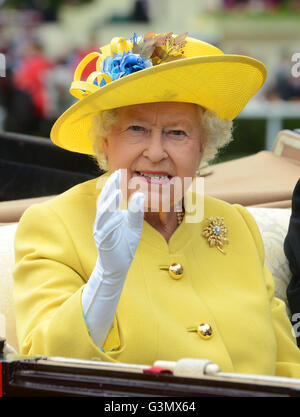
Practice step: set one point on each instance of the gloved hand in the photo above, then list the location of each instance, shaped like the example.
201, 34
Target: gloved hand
116, 234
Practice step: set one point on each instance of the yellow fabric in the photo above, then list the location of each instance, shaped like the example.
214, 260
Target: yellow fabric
206, 76
55, 255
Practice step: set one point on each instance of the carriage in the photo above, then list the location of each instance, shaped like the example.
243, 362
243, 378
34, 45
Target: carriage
33, 170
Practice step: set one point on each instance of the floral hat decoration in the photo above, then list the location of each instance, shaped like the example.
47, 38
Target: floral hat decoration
156, 68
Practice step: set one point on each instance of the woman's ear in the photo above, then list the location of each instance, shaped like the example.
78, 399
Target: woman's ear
201, 151
105, 147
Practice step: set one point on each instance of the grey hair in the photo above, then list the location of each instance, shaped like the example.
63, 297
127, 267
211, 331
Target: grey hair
215, 133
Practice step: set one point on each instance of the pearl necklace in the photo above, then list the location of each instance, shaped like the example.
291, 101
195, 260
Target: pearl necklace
180, 216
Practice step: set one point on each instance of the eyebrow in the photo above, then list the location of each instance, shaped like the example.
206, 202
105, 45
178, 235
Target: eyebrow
139, 118
179, 122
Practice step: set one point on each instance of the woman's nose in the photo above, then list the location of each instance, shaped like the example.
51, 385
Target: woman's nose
155, 147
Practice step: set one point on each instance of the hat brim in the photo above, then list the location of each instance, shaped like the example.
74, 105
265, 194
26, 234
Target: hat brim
222, 83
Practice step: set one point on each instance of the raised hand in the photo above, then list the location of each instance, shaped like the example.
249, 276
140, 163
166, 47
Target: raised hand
117, 232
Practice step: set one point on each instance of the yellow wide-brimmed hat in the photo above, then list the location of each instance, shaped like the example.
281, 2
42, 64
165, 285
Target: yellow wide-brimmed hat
156, 68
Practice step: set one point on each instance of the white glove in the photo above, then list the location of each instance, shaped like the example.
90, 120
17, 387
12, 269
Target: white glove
116, 234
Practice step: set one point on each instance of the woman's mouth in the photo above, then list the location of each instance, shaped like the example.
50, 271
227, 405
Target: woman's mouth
153, 177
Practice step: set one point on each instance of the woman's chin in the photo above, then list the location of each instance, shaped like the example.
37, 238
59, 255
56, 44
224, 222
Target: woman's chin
155, 203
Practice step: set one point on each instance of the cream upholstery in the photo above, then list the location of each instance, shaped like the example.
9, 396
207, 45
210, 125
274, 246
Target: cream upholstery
7, 316
273, 224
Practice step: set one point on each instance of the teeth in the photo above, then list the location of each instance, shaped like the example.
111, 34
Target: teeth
154, 176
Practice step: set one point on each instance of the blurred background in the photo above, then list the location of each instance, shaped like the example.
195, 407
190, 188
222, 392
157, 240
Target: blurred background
43, 41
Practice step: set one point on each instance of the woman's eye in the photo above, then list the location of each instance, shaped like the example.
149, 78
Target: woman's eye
136, 128
177, 133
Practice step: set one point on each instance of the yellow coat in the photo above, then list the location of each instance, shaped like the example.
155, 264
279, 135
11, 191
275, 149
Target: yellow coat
233, 293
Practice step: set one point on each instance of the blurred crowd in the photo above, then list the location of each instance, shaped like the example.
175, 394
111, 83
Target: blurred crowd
261, 5
34, 91
286, 85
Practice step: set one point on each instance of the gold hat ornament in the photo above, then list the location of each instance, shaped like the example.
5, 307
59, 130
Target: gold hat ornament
156, 68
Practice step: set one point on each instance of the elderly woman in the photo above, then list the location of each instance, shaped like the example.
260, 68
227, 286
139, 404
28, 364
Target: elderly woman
135, 266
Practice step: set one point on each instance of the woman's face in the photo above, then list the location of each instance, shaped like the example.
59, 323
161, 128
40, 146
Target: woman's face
157, 144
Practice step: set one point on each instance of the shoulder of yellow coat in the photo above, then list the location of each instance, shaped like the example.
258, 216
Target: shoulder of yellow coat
79, 195
251, 223
82, 196
87, 188
52, 221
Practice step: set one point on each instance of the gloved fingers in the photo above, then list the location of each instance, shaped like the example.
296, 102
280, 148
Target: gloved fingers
112, 184
109, 216
135, 214
109, 235
111, 204
111, 240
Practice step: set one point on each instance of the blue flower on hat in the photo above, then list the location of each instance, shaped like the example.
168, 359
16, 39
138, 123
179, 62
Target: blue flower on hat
120, 65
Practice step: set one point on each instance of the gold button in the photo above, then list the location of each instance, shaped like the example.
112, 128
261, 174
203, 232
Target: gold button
176, 271
204, 330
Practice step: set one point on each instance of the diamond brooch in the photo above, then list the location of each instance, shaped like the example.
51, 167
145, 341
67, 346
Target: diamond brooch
216, 232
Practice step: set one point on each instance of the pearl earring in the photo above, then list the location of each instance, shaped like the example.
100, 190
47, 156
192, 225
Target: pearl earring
103, 163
